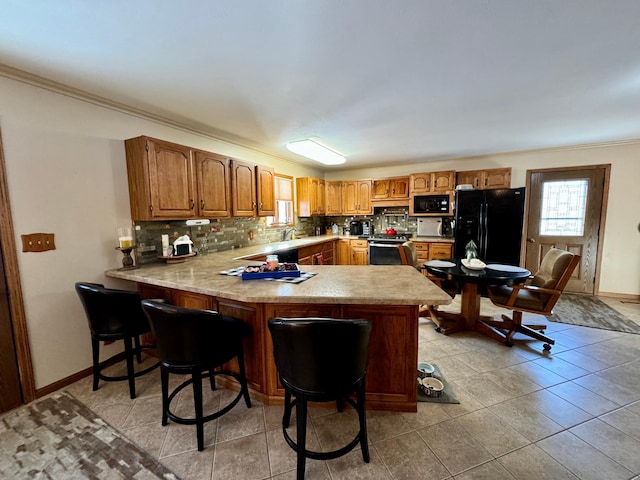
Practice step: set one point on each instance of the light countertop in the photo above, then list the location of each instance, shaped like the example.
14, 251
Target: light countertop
333, 284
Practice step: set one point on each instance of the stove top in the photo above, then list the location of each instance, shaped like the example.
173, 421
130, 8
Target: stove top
403, 237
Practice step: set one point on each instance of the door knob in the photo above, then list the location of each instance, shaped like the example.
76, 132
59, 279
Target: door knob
531, 240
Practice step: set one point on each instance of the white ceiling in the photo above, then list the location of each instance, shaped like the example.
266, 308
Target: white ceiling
381, 81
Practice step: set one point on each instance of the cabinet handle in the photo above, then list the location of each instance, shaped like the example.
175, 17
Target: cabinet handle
486, 182
193, 204
201, 204
254, 205
260, 205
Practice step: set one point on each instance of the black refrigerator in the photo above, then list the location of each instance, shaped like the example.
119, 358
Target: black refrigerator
494, 220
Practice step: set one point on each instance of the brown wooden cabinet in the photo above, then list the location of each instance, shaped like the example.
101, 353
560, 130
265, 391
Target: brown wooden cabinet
265, 191
353, 252
485, 179
390, 188
168, 181
213, 185
356, 197
333, 198
310, 194
252, 190
161, 179
431, 182
310, 255
344, 251
440, 250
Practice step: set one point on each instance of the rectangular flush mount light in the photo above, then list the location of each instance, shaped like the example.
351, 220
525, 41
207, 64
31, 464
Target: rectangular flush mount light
315, 151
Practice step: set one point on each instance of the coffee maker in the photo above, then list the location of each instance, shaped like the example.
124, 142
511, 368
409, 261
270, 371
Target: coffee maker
355, 227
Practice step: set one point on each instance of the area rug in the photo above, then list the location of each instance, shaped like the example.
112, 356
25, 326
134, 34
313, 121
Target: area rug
60, 438
448, 396
589, 311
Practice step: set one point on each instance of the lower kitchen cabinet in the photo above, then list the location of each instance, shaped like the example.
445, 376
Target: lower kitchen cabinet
353, 252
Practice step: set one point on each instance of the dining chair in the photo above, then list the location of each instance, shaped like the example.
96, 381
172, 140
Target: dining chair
196, 343
409, 256
115, 315
538, 295
321, 360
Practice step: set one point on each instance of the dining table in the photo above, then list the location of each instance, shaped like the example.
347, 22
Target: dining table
471, 278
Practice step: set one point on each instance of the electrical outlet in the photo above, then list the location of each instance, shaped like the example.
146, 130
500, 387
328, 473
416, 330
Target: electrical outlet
38, 242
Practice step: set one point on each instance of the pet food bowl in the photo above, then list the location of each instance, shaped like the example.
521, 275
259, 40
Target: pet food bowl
431, 387
425, 370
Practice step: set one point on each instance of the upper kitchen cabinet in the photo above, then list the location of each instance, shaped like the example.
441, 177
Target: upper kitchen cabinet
161, 179
213, 182
390, 188
431, 182
485, 179
266, 191
310, 194
333, 195
356, 197
252, 190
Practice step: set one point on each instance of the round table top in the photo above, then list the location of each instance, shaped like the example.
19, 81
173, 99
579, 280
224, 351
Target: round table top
489, 275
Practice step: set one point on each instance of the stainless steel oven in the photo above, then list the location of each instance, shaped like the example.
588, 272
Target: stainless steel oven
383, 250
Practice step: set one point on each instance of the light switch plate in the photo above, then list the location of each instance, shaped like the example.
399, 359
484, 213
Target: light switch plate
38, 242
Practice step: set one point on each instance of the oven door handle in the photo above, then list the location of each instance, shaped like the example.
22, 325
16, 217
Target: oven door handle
386, 245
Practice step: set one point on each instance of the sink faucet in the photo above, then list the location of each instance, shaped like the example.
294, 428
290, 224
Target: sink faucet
288, 233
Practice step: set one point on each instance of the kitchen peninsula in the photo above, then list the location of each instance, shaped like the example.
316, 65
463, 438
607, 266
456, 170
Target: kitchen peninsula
388, 296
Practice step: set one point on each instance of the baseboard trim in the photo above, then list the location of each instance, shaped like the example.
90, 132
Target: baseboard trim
621, 296
65, 382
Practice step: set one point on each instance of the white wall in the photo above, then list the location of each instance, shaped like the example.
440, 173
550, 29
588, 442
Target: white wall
621, 245
66, 172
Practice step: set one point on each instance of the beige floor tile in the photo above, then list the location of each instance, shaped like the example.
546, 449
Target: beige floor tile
384, 425
337, 430
610, 390
408, 457
626, 420
192, 465
497, 437
353, 467
484, 389
554, 407
492, 470
455, 448
145, 411
428, 414
532, 463
240, 421
528, 421
582, 360
561, 367
149, 437
586, 462
612, 442
314, 470
282, 457
583, 398
183, 438
512, 381
244, 458
537, 374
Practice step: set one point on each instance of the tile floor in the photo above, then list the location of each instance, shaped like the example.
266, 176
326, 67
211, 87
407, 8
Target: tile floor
522, 415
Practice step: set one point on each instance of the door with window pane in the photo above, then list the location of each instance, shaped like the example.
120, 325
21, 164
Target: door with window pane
565, 211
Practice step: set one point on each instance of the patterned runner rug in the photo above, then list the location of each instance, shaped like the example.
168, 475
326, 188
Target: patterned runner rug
60, 438
589, 311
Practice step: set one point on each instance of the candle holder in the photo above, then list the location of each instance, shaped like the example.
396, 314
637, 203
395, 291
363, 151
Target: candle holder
127, 260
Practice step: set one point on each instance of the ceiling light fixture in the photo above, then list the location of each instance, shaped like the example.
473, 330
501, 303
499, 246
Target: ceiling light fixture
315, 151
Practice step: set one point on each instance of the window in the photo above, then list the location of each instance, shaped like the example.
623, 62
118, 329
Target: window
283, 190
563, 208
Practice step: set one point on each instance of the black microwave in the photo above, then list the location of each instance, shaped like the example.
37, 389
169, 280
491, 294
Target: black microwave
431, 205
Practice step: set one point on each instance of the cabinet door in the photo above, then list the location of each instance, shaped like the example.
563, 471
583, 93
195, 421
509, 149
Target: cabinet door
171, 181
471, 177
344, 252
212, 174
364, 197
359, 252
422, 251
399, 188
497, 178
198, 301
333, 195
439, 251
380, 189
320, 198
442, 181
243, 189
419, 183
349, 198
266, 192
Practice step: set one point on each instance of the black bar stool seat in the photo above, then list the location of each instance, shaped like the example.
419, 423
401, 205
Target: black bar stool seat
115, 315
321, 360
196, 343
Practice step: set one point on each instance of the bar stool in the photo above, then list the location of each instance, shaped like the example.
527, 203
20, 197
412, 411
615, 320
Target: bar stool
115, 315
321, 360
196, 343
